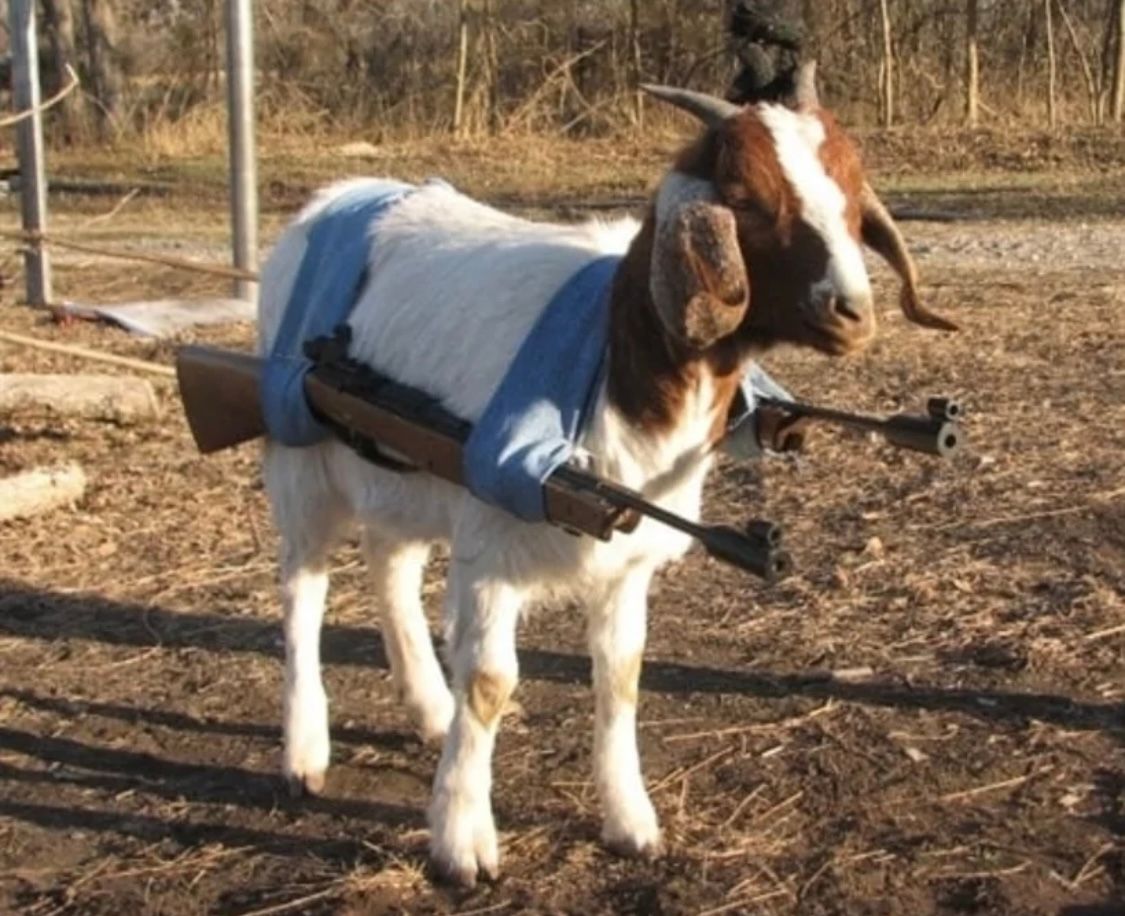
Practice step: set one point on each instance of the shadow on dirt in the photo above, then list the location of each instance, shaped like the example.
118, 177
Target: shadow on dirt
34, 614
151, 829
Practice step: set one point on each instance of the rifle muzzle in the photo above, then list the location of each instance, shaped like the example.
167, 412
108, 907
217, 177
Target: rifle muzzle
923, 434
746, 551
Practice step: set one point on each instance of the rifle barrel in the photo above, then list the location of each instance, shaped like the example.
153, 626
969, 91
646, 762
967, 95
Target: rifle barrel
757, 550
855, 420
937, 433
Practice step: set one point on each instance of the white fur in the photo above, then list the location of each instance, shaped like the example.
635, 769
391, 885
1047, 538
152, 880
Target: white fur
454, 288
797, 137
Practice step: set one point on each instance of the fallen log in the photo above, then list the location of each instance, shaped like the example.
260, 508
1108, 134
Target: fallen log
113, 398
40, 490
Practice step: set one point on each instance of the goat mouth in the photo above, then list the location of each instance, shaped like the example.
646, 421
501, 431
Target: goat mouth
834, 342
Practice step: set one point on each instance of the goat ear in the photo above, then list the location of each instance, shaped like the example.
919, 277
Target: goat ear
699, 281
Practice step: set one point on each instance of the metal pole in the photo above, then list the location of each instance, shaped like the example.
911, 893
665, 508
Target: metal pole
243, 165
33, 173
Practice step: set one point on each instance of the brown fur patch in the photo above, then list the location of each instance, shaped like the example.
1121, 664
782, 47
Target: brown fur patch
488, 694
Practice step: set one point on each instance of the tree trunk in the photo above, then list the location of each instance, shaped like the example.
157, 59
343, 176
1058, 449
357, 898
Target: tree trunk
1027, 49
60, 33
887, 87
104, 78
1119, 67
972, 66
1092, 90
491, 68
1049, 28
635, 63
462, 65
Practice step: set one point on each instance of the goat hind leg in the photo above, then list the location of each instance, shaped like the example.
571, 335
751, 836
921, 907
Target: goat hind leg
397, 569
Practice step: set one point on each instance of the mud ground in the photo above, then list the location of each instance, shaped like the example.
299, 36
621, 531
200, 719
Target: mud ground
928, 718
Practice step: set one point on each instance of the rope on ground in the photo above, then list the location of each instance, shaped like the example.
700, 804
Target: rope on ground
202, 267
84, 353
72, 84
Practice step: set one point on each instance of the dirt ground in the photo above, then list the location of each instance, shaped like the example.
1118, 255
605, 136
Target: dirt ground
928, 718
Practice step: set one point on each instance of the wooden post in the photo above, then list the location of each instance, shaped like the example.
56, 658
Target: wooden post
33, 170
243, 165
972, 66
888, 70
1052, 114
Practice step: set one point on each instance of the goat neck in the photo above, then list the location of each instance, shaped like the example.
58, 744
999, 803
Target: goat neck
651, 374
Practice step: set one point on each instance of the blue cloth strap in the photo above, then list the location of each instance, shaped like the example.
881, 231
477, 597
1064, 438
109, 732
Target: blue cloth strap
326, 288
533, 421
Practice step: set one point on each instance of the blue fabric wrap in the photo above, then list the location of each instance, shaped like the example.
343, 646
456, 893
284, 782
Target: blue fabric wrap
741, 441
324, 293
755, 384
533, 421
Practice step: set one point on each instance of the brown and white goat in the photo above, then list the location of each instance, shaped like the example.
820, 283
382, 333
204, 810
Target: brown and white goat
753, 239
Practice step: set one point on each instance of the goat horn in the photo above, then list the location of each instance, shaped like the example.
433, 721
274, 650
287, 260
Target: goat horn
883, 237
805, 92
710, 109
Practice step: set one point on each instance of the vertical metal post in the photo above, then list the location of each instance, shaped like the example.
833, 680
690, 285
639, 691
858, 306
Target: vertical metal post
243, 164
33, 173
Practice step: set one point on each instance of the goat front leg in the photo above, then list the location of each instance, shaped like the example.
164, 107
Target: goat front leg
617, 642
484, 668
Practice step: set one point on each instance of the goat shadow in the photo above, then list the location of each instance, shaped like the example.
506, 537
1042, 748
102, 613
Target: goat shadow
30, 613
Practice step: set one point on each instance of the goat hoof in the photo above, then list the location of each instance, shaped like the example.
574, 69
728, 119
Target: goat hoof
310, 784
462, 876
636, 847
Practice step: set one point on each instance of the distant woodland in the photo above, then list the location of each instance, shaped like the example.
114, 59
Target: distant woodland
414, 67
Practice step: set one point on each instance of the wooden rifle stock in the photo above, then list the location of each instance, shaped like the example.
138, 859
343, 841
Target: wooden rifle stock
221, 394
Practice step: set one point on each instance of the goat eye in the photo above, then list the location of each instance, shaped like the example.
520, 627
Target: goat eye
750, 206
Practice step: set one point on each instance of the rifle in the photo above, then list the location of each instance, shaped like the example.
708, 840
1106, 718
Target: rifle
937, 433
406, 430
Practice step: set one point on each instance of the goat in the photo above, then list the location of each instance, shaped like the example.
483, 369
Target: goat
752, 239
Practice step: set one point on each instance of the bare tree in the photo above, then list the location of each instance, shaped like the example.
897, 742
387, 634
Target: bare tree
1052, 111
635, 62
887, 83
59, 20
1118, 106
462, 65
972, 66
104, 75
1093, 91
